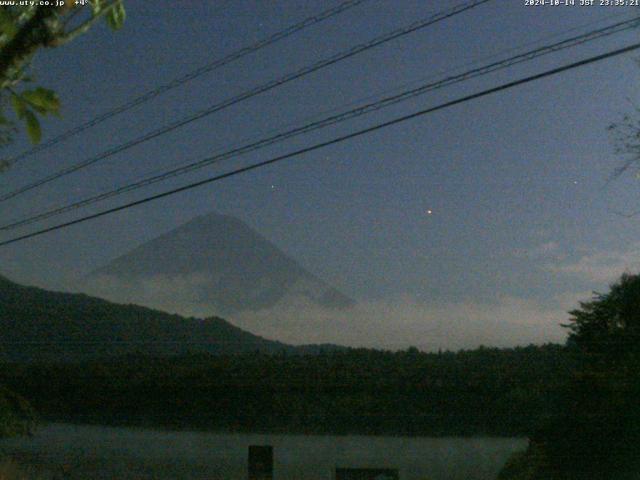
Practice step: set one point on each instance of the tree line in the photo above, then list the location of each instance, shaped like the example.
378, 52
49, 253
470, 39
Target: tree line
486, 391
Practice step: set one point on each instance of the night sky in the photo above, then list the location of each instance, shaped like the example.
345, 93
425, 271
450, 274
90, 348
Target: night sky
523, 220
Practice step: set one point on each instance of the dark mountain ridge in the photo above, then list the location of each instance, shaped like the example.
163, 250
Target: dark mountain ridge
217, 260
38, 325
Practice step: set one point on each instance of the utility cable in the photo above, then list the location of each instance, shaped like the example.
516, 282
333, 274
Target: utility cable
435, 18
153, 93
334, 119
340, 139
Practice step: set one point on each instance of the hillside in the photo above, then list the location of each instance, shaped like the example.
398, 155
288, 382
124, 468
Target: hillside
39, 325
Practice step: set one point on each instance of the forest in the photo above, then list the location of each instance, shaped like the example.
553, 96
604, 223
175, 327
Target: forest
487, 391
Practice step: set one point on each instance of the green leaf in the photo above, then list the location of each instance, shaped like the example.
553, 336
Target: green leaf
8, 25
33, 126
43, 100
97, 6
19, 105
116, 17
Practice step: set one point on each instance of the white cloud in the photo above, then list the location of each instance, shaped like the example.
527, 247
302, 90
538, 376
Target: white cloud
395, 323
172, 294
403, 322
602, 266
547, 249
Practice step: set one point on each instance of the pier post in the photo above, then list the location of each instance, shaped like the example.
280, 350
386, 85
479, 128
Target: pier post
260, 462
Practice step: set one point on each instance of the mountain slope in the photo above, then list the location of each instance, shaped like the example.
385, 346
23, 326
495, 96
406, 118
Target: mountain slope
215, 262
39, 325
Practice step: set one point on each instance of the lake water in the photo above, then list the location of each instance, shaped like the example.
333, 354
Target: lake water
126, 453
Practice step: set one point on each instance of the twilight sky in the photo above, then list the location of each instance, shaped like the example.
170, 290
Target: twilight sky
523, 221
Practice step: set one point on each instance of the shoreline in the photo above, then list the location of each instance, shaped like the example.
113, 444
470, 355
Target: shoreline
190, 428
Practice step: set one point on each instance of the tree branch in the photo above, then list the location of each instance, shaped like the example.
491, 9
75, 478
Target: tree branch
84, 27
33, 34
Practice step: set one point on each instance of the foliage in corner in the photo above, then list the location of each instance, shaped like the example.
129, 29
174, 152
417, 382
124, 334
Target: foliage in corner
28, 104
23, 31
596, 434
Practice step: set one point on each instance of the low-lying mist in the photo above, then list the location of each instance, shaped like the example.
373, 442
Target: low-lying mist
393, 323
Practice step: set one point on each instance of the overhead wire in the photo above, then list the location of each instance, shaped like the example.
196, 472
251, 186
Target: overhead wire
336, 140
334, 119
397, 33
207, 68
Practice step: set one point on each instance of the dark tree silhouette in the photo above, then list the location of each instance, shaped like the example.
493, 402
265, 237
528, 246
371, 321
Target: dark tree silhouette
596, 434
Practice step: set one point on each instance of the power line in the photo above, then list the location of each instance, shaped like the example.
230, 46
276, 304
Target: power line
435, 18
162, 89
334, 119
317, 146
